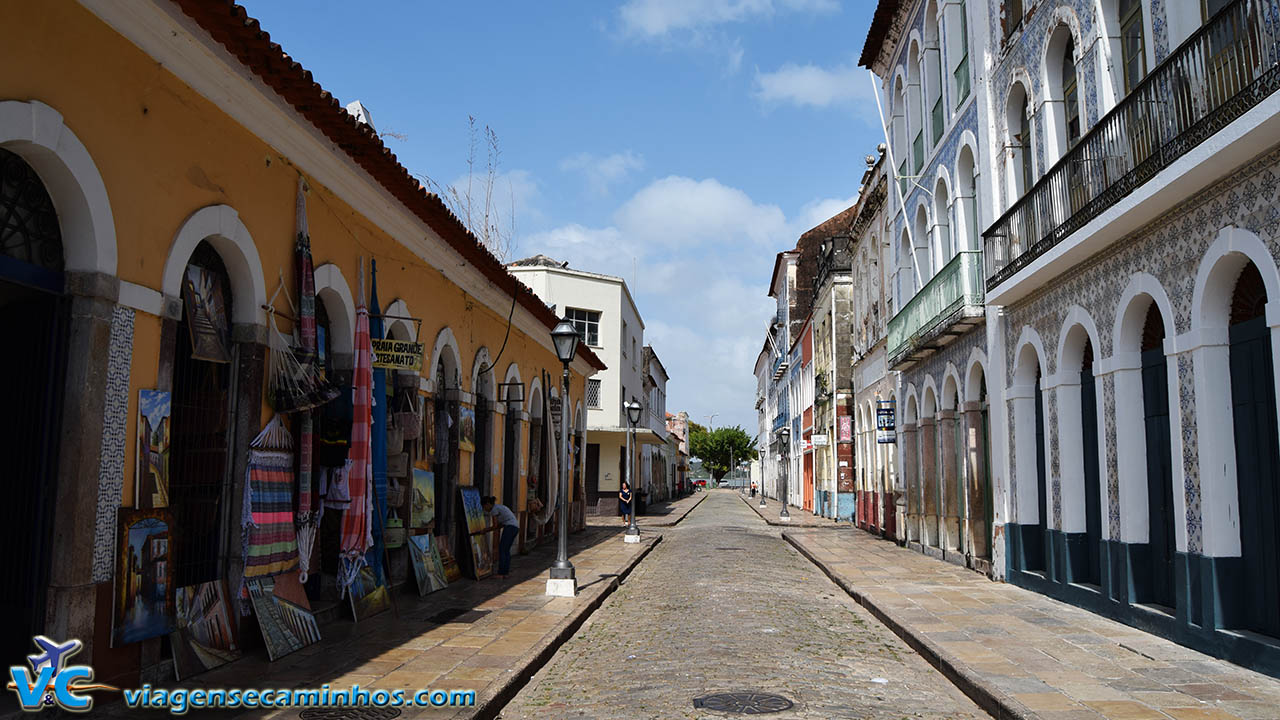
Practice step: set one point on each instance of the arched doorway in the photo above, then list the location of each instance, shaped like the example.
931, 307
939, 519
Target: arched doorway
511, 441
445, 409
482, 458
978, 453
33, 309
1160, 509
1253, 404
199, 476
1091, 570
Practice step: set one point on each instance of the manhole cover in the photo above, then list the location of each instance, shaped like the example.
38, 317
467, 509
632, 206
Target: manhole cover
746, 703
457, 615
356, 713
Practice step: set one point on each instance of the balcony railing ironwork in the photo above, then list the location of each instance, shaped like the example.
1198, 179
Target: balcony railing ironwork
957, 285
1225, 68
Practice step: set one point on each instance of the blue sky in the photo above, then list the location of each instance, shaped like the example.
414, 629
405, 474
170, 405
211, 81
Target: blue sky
677, 143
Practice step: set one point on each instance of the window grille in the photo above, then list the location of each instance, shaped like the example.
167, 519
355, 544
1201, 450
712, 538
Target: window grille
593, 393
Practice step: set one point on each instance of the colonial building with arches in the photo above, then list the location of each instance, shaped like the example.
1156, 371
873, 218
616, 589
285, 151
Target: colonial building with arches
174, 143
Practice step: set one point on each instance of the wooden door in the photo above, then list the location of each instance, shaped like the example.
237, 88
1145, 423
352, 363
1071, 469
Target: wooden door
1155, 402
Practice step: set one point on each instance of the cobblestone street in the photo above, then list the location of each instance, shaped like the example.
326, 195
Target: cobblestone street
724, 604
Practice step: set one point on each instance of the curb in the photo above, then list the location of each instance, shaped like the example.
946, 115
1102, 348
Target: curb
685, 514
987, 696
775, 523
489, 707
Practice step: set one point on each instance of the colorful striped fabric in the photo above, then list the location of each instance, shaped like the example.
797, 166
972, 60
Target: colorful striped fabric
357, 534
272, 544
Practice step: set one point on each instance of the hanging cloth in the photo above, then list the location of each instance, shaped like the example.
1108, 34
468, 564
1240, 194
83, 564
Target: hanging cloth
553, 452
269, 542
356, 535
309, 510
378, 433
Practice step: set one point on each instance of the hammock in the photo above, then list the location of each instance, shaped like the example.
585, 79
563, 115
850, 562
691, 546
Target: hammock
309, 512
357, 536
269, 542
293, 386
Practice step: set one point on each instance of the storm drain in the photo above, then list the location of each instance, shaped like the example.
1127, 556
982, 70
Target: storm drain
744, 703
457, 615
355, 713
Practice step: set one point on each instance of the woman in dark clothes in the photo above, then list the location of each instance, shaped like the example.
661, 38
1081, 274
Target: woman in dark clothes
624, 503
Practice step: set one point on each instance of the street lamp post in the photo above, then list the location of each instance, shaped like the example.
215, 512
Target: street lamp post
785, 436
563, 582
633, 416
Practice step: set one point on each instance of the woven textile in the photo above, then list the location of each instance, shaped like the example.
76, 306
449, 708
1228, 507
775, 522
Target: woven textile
356, 535
308, 510
272, 546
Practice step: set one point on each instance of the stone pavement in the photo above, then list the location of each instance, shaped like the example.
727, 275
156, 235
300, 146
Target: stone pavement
511, 628
663, 514
1021, 654
799, 517
723, 604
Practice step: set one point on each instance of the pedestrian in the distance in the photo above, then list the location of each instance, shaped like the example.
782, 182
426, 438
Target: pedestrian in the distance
508, 525
624, 503
753, 488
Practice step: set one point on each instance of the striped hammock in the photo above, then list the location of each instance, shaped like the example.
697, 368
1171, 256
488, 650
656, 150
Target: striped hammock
270, 541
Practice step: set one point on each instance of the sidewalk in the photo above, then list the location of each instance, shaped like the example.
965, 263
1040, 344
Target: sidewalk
663, 514
799, 518
506, 632
1019, 654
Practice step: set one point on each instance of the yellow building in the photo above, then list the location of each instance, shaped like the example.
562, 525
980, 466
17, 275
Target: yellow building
138, 140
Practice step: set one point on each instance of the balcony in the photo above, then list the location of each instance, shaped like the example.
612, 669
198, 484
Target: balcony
779, 421
1225, 68
945, 308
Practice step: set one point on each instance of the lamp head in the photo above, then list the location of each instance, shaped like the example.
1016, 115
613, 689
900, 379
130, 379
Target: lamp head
785, 434
566, 337
633, 410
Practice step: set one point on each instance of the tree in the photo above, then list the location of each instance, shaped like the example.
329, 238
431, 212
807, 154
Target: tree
473, 200
719, 449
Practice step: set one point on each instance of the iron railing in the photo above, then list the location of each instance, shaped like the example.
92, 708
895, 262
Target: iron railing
958, 284
1225, 68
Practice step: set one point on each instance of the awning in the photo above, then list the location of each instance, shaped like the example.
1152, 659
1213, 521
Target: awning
644, 436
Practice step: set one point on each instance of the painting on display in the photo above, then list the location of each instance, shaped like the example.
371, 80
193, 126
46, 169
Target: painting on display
423, 506
452, 573
368, 595
481, 557
286, 625
206, 315
427, 566
144, 577
205, 637
154, 412
467, 429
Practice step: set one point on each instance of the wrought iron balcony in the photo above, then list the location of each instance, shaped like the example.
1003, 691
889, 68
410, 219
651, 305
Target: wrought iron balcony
946, 307
1225, 68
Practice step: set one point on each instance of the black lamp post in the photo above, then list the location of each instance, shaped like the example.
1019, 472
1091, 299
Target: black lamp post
563, 582
633, 409
762, 504
784, 435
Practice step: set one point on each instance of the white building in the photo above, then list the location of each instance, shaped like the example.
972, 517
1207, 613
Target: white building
602, 309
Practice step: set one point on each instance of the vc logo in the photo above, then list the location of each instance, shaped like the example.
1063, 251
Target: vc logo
52, 682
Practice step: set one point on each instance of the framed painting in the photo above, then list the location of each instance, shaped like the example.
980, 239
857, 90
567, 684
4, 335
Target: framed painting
204, 637
423, 503
206, 315
143, 598
286, 626
368, 595
467, 429
481, 557
428, 568
152, 487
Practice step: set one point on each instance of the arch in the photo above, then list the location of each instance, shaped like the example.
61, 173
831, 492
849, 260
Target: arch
915, 101
944, 245
911, 415
951, 389
932, 65
975, 369
482, 385
1029, 451
1029, 355
332, 288
535, 397
1017, 123
920, 241
929, 399
906, 268
1077, 326
1079, 464
966, 196
446, 353
1126, 334
397, 328
513, 376
221, 226
1216, 277
1059, 58
37, 133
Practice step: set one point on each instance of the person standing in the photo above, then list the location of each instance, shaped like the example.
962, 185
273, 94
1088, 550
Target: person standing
624, 502
753, 488
508, 525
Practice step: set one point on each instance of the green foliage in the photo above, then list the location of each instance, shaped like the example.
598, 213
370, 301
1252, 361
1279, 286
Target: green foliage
720, 448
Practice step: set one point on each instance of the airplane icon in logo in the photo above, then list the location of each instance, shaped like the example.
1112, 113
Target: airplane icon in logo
54, 654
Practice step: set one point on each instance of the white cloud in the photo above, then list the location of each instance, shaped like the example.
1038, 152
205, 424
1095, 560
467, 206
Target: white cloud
654, 18
813, 86
697, 255
603, 171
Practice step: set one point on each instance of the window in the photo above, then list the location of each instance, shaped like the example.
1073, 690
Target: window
1133, 55
1012, 16
593, 393
1070, 93
624, 337
962, 69
587, 323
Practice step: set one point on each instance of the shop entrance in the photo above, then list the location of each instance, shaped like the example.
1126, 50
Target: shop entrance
33, 312
201, 433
